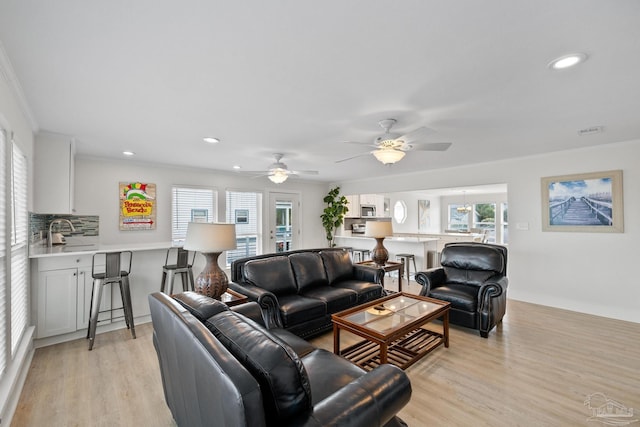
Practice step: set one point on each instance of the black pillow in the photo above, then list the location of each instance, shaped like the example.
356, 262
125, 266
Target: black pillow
279, 371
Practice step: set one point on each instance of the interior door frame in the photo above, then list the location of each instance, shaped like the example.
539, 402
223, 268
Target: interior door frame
296, 226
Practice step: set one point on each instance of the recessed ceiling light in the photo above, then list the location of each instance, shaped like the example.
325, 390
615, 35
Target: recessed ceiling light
211, 140
128, 153
236, 166
567, 61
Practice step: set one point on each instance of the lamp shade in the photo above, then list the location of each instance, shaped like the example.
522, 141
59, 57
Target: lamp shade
210, 237
378, 229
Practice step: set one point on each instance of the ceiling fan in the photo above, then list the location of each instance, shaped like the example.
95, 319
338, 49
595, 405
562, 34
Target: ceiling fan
278, 172
392, 147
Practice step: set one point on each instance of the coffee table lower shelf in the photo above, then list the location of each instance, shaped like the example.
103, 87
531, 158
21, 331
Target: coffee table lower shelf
402, 352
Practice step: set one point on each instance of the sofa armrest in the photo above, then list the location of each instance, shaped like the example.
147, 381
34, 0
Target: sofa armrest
371, 400
491, 288
430, 279
267, 300
368, 274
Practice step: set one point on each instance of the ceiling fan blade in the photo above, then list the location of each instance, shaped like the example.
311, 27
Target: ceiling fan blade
427, 146
360, 143
417, 134
303, 172
353, 157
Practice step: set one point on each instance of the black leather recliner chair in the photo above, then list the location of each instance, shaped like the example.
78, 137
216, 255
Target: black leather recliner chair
473, 278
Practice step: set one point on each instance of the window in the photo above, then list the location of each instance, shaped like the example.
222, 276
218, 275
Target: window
244, 210
19, 256
458, 217
3, 249
400, 212
191, 204
484, 218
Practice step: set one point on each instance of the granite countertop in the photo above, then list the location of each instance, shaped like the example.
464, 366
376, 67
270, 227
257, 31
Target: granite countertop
407, 239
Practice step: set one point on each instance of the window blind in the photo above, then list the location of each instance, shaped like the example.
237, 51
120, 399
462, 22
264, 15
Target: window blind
3, 250
243, 209
19, 257
191, 204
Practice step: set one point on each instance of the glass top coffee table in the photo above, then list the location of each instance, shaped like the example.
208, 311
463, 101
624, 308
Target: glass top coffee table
393, 328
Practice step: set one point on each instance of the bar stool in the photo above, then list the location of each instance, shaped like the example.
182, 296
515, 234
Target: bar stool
181, 266
360, 254
109, 274
405, 259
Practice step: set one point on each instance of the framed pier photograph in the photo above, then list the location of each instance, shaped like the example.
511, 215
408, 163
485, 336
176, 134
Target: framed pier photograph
587, 202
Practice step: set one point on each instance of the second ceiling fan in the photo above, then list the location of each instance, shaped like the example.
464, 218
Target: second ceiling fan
391, 148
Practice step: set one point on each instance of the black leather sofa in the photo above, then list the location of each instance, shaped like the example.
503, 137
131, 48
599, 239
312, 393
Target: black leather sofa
299, 290
473, 278
224, 368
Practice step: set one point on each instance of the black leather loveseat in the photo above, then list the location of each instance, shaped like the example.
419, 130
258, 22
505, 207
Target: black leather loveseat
299, 290
223, 368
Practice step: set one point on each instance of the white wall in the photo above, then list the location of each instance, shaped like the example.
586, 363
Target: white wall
96, 193
588, 272
411, 224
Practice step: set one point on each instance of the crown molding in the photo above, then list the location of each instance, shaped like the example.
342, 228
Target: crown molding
7, 74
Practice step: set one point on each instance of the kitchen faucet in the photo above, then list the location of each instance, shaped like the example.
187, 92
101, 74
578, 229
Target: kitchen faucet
57, 221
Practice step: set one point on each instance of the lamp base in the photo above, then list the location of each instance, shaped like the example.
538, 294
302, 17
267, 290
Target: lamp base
212, 282
379, 254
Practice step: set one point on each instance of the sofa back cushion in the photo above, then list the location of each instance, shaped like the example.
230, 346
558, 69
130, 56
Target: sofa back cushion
337, 265
309, 270
472, 264
273, 274
201, 306
279, 371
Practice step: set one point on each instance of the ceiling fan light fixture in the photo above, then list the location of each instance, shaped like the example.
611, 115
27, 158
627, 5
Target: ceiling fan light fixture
278, 176
388, 155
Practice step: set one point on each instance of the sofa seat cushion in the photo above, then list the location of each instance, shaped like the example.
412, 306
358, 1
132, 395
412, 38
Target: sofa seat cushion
296, 309
308, 270
462, 297
337, 265
367, 291
277, 368
328, 373
336, 299
273, 274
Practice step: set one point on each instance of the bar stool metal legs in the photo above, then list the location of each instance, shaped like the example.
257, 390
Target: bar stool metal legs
405, 259
112, 274
182, 266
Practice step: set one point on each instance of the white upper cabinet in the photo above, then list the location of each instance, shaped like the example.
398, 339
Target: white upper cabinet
54, 168
353, 205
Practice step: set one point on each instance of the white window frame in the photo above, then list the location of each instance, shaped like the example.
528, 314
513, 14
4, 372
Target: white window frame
187, 205
255, 219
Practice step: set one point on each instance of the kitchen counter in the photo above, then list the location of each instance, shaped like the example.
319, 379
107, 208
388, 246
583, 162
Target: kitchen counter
41, 251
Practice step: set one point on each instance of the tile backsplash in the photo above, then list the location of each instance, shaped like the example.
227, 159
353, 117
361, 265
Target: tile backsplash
85, 225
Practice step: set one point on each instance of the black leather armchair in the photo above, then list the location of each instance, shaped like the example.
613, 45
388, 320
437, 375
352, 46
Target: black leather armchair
473, 278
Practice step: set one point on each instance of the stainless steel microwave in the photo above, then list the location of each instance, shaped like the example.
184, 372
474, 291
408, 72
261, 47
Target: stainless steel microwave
367, 210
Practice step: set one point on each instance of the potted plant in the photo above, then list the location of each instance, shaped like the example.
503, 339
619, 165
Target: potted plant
333, 214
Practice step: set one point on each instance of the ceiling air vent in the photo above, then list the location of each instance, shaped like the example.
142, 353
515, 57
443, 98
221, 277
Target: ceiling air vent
591, 130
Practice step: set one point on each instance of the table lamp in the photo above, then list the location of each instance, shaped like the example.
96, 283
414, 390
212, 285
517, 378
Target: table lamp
211, 239
379, 230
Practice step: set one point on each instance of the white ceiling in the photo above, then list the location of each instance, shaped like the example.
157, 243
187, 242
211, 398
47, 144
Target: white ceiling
301, 77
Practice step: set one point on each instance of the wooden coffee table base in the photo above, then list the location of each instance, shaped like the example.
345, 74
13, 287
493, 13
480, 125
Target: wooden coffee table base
403, 352
396, 329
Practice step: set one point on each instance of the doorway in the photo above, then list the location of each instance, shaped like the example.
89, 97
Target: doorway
284, 227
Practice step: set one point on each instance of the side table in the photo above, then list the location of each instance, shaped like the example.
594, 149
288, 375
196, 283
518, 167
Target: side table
231, 298
389, 266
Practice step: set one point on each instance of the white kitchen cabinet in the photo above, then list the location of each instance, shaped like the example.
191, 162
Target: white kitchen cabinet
354, 206
54, 169
57, 290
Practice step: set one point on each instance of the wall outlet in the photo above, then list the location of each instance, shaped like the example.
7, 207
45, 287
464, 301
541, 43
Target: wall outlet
522, 226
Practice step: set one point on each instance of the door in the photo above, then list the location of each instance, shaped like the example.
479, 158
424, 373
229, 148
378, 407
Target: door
284, 229
57, 302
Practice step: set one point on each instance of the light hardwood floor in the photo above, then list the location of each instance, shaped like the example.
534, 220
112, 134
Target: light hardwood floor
537, 369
